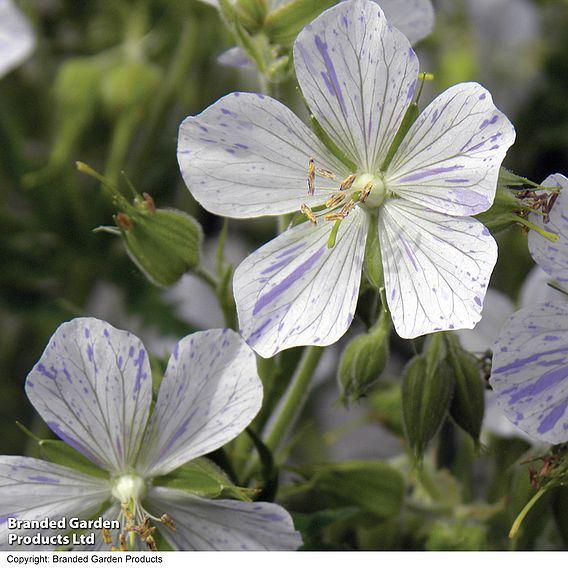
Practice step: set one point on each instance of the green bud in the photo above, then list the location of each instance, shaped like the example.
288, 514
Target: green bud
251, 13
427, 390
285, 23
451, 535
163, 243
130, 85
385, 406
76, 85
363, 360
468, 403
373, 486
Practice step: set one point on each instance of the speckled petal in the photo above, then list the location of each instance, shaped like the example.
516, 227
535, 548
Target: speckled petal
552, 257
220, 524
414, 18
530, 371
449, 161
358, 75
32, 489
247, 155
93, 387
296, 291
210, 393
436, 268
17, 39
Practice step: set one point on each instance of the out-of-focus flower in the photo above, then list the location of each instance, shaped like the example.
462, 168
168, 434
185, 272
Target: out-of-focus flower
17, 39
93, 387
530, 358
248, 155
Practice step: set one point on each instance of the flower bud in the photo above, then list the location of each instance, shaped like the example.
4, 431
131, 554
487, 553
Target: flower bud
363, 361
427, 389
76, 85
130, 85
285, 23
468, 403
163, 243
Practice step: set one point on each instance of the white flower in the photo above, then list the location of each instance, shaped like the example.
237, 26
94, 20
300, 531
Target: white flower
530, 358
247, 155
93, 387
17, 39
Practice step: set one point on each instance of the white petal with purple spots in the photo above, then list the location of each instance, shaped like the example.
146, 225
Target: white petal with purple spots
296, 291
93, 387
17, 38
552, 257
210, 393
220, 524
247, 155
358, 75
436, 268
449, 161
32, 489
530, 371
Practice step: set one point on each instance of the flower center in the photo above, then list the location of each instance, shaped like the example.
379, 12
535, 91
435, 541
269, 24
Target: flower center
129, 488
372, 188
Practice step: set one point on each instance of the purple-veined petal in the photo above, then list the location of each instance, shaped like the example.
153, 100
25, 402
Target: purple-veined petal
535, 289
414, 18
209, 395
530, 371
436, 268
552, 257
247, 155
296, 291
32, 489
93, 387
358, 75
449, 161
17, 38
495, 422
497, 308
221, 524
235, 57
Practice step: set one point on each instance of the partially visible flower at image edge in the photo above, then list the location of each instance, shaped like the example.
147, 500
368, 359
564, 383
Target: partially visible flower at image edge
17, 39
414, 18
248, 155
93, 387
530, 358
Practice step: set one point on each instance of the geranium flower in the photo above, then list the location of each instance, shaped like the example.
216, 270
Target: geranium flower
530, 358
93, 387
17, 39
248, 155
414, 18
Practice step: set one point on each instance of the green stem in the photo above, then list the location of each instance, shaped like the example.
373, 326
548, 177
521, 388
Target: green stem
205, 276
521, 516
121, 140
293, 400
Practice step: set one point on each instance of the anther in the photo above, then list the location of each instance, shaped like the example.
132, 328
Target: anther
124, 221
151, 543
166, 520
335, 199
122, 540
347, 182
366, 192
107, 538
307, 212
345, 210
311, 177
325, 174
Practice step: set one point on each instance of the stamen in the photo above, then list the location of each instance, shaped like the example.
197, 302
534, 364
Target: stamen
547, 207
123, 547
345, 210
151, 544
311, 177
124, 221
326, 174
335, 199
167, 522
107, 537
366, 192
149, 202
307, 212
347, 182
